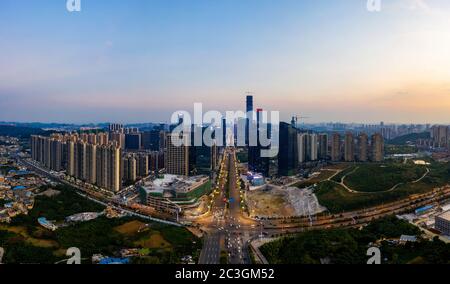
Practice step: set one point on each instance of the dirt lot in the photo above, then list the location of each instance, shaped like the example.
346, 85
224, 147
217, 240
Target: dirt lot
271, 202
130, 228
278, 202
154, 240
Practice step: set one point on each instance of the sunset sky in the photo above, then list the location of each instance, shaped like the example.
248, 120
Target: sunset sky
141, 60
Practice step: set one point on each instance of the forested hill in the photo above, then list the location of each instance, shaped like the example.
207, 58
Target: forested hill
21, 132
413, 137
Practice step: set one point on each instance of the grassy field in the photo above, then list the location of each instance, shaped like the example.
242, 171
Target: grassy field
324, 175
382, 177
337, 199
343, 173
25, 241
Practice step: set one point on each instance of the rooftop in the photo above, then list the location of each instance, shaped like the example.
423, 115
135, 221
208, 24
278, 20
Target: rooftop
445, 216
174, 182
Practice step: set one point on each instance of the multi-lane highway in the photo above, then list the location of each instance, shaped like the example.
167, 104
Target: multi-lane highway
214, 223
228, 230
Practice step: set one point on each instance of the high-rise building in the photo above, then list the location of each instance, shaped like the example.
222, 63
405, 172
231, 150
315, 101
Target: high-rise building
82, 156
71, 158
114, 178
119, 138
440, 135
377, 148
363, 147
80, 160
249, 104
256, 161
312, 147
323, 146
56, 155
129, 169
91, 163
102, 164
336, 147
108, 167
224, 132
115, 127
301, 147
151, 140
102, 139
288, 155
156, 161
142, 165
249, 112
203, 159
49, 151
177, 156
133, 141
163, 140
349, 147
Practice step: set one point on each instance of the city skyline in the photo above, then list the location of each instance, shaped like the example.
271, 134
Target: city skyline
137, 62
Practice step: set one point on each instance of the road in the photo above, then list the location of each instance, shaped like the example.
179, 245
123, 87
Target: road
213, 223
84, 192
229, 232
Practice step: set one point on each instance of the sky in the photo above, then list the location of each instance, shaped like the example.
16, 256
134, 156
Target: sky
141, 60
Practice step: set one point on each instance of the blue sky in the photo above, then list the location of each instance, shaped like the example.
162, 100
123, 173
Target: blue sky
141, 60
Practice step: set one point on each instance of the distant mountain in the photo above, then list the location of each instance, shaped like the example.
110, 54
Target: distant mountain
38, 124
409, 138
20, 131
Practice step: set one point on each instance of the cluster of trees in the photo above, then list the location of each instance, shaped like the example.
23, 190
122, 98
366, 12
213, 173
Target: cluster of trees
21, 132
96, 236
409, 138
350, 246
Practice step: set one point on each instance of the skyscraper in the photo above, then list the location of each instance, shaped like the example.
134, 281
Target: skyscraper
82, 156
256, 162
336, 147
288, 154
249, 104
91, 163
249, 113
133, 141
151, 140
119, 138
177, 157
203, 159
71, 158
363, 147
440, 135
129, 169
312, 147
115, 127
323, 146
301, 147
377, 148
349, 147
142, 165
80, 160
